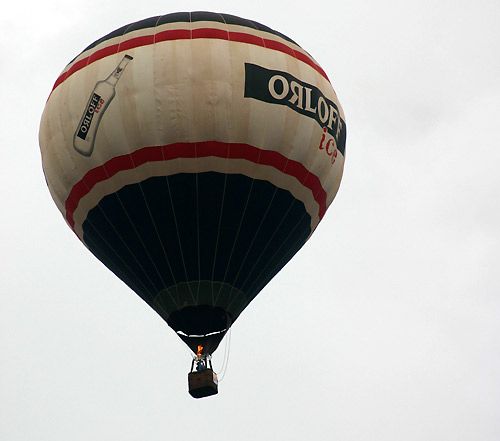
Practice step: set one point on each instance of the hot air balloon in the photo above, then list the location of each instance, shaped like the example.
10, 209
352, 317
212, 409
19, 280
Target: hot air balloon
194, 154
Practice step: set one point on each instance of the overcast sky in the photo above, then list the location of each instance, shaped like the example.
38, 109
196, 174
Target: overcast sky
398, 289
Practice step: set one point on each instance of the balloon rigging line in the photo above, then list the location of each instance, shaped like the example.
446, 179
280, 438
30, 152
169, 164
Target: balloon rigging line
214, 300
198, 232
172, 206
235, 241
226, 161
254, 167
163, 155
256, 233
189, 131
227, 121
218, 235
178, 238
225, 360
160, 241
265, 131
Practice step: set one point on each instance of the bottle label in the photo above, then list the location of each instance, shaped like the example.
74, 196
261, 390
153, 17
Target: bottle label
95, 103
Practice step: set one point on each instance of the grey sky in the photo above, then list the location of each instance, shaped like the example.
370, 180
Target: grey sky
398, 288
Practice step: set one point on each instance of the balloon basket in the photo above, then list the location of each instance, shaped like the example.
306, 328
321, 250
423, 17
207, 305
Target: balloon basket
202, 383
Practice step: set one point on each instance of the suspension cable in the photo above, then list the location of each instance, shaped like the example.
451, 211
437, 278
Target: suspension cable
225, 361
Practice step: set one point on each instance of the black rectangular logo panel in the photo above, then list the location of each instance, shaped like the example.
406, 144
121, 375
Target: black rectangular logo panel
277, 87
87, 117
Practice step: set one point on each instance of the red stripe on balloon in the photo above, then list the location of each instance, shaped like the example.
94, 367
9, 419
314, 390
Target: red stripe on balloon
241, 37
194, 150
186, 34
145, 40
277, 46
210, 33
173, 34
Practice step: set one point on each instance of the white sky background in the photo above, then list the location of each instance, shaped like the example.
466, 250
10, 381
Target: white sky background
397, 291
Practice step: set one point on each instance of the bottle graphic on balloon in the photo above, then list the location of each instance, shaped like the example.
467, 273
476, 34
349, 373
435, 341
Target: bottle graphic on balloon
103, 93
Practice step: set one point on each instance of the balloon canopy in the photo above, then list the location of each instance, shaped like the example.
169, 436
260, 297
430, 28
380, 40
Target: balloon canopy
193, 154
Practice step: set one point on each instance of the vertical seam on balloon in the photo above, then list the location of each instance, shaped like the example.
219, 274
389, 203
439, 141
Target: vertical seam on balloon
155, 228
222, 204
196, 174
221, 214
229, 112
218, 228
152, 221
197, 230
213, 303
196, 155
163, 155
246, 203
178, 235
236, 237
257, 231
177, 227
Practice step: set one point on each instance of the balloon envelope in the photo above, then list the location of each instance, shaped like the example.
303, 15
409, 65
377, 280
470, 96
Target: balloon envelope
193, 154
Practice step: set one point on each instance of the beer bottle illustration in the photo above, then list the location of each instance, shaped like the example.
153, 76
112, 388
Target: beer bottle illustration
101, 96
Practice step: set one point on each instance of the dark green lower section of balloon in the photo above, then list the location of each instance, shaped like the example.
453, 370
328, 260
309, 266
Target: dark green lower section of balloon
197, 247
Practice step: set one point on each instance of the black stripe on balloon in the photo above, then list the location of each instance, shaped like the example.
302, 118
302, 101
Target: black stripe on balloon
206, 16
186, 17
267, 237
